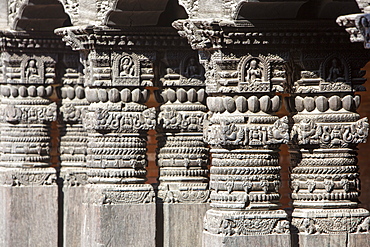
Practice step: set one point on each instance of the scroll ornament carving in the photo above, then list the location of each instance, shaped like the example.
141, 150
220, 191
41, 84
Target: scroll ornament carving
72, 8
103, 119
200, 34
28, 114
307, 132
13, 7
230, 8
191, 7
362, 4
230, 134
178, 120
72, 113
332, 225
132, 194
103, 8
28, 177
70, 38
184, 194
363, 25
246, 224
75, 178
358, 26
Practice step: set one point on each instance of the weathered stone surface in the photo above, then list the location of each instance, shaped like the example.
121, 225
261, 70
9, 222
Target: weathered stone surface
108, 220
251, 240
358, 240
29, 215
182, 224
247, 52
337, 240
73, 215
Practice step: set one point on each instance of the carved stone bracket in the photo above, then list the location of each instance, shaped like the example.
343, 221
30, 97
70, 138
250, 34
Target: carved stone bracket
358, 25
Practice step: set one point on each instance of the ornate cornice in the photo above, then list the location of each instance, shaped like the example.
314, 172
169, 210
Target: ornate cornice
211, 34
20, 40
105, 38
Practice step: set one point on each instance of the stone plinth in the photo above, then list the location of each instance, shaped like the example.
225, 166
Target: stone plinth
118, 216
253, 240
181, 224
28, 207
72, 195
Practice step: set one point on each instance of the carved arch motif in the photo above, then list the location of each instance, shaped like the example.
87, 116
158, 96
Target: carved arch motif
334, 66
191, 71
262, 64
33, 70
104, 8
126, 69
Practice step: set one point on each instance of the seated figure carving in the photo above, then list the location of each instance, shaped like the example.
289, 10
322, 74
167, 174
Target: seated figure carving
31, 71
192, 69
336, 72
254, 72
127, 67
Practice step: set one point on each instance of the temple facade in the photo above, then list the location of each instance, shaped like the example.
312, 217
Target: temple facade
85, 83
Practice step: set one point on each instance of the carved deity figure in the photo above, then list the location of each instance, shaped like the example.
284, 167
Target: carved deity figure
336, 73
192, 69
254, 72
230, 134
31, 70
127, 67
307, 133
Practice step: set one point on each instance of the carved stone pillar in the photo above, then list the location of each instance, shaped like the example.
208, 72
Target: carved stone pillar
326, 131
182, 154
28, 189
120, 206
73, 147
244, 135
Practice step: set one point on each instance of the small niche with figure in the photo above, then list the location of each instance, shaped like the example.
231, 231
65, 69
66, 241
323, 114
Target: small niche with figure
192, 72
126, 70
254, 72
32, 71
127, 67
254, 75
335, 75
335, 71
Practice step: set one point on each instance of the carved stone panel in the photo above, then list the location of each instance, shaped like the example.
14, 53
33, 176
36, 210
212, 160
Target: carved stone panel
26, 111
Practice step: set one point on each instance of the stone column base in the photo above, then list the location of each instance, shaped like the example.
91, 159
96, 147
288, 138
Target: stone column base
216, 240
28, 207
246, 228
119, 215
74, 180
331, 227
181, 224
333, 240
